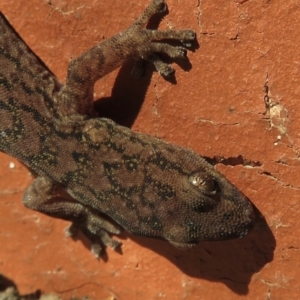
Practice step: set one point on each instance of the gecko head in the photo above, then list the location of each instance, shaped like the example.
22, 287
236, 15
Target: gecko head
201, 205
166, 191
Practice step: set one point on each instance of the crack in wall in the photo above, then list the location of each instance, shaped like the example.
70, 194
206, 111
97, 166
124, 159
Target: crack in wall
247, 163
198, 15
235, 37
281, 281
276, 113
233, 161
277, 116
272, 176
202, 120
242, 1
61, 10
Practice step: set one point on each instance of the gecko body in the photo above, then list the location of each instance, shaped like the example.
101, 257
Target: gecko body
148, 186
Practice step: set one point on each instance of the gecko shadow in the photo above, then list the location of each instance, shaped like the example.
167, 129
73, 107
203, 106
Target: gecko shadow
128, 93
231, 262
127, 97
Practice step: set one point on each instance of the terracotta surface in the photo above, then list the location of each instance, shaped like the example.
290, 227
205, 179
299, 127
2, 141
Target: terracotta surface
217, 108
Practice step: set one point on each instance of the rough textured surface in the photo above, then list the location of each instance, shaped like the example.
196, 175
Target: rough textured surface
218, 110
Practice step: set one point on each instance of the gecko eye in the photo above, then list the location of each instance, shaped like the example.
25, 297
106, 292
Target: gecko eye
204, 182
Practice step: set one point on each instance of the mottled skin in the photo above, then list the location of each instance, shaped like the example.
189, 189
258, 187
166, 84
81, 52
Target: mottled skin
148, 186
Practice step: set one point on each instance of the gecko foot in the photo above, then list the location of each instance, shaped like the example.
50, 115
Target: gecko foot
149, 43
102, 238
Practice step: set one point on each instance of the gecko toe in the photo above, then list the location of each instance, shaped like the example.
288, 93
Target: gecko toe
161, 5
189, 35
182, 52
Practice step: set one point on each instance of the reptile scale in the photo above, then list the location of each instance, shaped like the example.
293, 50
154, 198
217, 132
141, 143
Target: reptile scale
148, 186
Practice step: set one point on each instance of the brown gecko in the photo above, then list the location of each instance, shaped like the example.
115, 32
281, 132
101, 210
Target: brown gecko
148, 186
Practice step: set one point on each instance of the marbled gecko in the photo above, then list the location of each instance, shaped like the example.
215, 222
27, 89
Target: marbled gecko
148, 186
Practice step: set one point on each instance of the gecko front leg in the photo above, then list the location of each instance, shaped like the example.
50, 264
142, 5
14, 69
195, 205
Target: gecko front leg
134, 43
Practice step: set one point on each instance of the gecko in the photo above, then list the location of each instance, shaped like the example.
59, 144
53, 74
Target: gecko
111, 176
